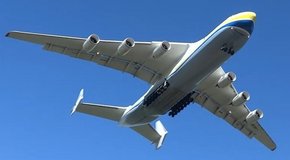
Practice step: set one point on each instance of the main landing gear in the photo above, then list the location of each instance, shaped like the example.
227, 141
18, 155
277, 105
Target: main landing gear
153, 96
180, 105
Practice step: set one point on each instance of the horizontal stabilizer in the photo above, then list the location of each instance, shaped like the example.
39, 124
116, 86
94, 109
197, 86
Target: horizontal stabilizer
100, 110
155, 135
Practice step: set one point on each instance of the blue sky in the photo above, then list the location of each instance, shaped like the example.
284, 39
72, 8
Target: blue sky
38, 88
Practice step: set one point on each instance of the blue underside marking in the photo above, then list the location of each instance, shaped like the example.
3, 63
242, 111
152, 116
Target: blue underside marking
247, 25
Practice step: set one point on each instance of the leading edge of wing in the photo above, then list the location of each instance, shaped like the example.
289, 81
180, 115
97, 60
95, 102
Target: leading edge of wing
43, 39
26, 36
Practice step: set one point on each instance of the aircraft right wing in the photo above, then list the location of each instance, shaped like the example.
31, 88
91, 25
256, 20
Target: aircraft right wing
220, 102
136, 58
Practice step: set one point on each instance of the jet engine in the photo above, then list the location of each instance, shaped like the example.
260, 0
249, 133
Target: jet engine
161, 49
125, 46
226, 79
254, 116
91, 43
240, 99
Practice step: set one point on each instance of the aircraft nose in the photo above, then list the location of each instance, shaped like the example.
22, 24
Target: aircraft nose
245, 20
246, 25
251, 16
243, 16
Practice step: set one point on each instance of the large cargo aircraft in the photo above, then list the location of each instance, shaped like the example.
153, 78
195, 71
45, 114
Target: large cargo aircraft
179, 74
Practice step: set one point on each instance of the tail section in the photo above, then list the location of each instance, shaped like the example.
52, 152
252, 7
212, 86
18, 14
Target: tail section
155, 135
162, 132
100, 110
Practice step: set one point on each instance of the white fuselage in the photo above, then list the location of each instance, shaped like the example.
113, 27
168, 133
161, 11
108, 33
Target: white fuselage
185, 77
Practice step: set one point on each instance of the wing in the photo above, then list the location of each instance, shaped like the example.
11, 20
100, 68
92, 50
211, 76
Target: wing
218, 101
137, 61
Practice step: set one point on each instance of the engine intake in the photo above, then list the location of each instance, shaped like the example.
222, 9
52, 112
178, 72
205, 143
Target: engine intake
240, 99
161, 49
226, 79
254, 116
91, 42
125, 46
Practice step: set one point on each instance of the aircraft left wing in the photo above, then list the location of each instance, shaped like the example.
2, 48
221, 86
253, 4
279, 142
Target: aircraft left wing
149, 61
224, 101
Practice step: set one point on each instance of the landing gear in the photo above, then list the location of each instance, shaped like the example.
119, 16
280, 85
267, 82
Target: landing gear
153, 96
180, 105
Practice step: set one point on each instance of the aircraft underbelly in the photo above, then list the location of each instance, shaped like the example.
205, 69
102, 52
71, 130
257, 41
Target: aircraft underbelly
205, 60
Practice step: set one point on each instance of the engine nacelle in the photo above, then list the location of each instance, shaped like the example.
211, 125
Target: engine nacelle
125, 46
91, 43
226, 79
254, 116
240, 99
161, 49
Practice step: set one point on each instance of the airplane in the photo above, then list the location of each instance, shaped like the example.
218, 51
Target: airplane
179, 74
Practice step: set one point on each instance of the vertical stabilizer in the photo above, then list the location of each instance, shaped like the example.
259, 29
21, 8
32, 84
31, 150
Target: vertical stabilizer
162, 132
